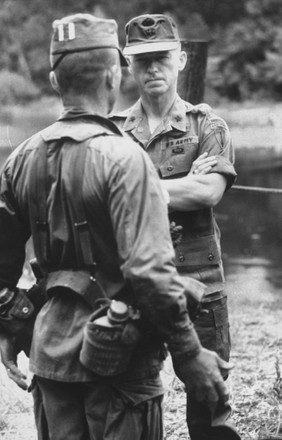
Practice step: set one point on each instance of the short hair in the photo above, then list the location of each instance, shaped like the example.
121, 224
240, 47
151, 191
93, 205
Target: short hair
79, 71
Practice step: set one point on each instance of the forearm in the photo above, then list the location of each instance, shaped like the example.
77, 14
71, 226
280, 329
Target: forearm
194, 192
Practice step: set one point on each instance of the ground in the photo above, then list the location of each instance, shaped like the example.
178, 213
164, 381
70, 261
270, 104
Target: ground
255, 382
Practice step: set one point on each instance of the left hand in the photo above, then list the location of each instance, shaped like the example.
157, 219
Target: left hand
175, 233
8, 352
203, 164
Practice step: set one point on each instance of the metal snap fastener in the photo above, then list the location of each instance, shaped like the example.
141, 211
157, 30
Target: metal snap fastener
169, 168
210, 257
25, 310
181, 258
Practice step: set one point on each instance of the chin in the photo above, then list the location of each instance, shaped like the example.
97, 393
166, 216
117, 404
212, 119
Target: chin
156, 90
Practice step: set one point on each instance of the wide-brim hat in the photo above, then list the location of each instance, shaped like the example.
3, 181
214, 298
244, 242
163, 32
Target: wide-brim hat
150, 33
82, 32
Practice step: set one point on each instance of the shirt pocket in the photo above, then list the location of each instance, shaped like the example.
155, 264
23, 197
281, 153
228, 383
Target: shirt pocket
180, 154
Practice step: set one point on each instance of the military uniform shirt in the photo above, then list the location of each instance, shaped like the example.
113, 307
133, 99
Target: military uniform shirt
185, 133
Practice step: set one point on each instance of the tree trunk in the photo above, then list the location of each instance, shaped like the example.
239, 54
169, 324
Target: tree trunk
191, 81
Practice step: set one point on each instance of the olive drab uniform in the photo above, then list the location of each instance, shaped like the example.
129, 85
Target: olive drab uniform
186, 132
121, 231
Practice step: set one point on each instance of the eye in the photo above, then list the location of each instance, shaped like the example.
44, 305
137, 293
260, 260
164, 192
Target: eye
140, 60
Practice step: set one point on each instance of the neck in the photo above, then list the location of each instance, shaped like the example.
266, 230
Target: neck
91, 105
157, 107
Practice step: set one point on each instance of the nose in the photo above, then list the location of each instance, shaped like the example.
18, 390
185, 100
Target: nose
152, 66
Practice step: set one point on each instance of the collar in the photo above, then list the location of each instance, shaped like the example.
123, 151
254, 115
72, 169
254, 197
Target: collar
74, 112
176, 116
79, 124
134, 116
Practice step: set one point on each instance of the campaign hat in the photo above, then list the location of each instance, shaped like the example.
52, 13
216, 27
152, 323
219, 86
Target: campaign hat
150, 33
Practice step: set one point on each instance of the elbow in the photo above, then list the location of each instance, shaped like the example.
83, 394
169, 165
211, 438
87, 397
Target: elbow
211, 198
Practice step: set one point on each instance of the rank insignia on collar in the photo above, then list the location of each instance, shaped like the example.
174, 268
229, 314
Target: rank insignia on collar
178, 118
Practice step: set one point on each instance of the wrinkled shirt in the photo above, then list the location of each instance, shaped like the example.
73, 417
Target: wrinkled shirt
129, 234
186, 132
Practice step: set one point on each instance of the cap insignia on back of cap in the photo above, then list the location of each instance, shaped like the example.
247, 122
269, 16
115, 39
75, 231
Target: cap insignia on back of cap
66, 31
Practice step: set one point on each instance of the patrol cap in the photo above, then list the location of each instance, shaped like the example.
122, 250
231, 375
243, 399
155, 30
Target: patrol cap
150, 33
82, 32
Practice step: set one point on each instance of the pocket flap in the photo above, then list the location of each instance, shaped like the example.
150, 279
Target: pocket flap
201, 251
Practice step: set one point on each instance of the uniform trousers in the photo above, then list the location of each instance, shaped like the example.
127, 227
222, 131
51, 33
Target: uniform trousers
212, 327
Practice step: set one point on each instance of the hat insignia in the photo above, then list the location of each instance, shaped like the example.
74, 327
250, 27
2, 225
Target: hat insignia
150, 32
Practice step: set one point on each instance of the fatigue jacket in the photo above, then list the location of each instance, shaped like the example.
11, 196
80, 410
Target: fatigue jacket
132, 247
186, 132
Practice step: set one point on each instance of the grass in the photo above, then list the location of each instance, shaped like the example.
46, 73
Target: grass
255, 382
16, 408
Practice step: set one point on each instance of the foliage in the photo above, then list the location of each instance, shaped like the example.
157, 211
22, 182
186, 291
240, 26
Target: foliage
250, 63
15, 88
246, 37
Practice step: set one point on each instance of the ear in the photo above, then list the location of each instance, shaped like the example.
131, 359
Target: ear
110, 77
53, 81
113, 76
182, 60
129, 61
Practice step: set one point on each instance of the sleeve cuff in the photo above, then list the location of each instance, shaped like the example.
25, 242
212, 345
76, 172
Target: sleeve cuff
184, 345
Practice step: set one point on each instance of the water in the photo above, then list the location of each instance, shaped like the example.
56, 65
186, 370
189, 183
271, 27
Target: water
251, 226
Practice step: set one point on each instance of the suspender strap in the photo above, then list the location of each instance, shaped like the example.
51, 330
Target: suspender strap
38, 192
80, 225
37, 204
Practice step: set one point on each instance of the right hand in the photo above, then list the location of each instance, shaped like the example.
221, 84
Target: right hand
203, 164
203, 379
8, 354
